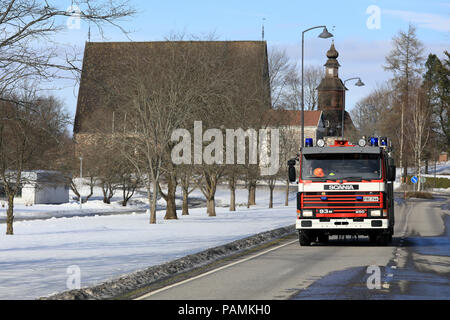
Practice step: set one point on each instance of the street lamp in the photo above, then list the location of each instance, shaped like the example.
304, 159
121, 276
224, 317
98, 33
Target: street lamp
323, 35
359, 83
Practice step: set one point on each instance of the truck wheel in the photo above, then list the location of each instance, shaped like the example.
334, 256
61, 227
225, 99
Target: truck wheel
304, 239
383, 239
323, 238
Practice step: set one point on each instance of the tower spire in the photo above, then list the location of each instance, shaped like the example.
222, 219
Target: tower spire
262, 32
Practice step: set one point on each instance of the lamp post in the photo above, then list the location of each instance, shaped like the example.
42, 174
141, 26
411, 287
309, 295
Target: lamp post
359, 83
81, 180
324, 35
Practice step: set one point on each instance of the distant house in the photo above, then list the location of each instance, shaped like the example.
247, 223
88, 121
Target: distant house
41, 187
292, 120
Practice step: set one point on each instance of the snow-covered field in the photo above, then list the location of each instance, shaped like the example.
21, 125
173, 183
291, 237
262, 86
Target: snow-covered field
34, 261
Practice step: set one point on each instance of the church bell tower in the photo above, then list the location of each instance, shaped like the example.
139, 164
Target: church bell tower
331, 94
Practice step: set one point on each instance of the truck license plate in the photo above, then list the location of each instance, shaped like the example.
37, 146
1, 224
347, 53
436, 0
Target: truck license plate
325, 210
371, 199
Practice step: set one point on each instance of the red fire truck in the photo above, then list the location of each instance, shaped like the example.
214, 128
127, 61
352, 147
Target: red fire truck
345, 189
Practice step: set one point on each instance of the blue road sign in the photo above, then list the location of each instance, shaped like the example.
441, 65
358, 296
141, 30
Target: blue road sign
414, 179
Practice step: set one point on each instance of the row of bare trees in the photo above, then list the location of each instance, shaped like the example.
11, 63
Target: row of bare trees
193, 84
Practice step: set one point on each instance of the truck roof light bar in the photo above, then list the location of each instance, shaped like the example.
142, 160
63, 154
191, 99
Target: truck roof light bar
341, 143
373, 142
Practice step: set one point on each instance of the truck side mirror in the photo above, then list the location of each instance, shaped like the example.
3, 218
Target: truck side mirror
391, 173
292, 173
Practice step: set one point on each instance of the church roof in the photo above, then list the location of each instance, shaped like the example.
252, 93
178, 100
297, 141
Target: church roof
282, 117
103, 61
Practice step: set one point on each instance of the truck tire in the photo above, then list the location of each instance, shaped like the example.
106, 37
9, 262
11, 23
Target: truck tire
304, 238
383, 239
323, 238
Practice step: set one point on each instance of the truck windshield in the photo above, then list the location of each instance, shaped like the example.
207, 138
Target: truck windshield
341, 166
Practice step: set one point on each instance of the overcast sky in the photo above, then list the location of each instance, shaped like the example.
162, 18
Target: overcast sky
362, 29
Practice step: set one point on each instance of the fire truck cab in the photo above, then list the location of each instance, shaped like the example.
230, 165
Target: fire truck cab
345, 189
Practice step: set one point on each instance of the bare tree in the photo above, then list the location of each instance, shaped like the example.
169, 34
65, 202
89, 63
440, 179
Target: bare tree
26, 25
279, 66
421, 116
187, 186
30, 134
405, 61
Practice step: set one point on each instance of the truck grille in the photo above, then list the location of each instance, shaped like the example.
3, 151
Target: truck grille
342, 204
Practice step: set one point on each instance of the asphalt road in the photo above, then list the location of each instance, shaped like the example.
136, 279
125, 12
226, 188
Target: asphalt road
416, 265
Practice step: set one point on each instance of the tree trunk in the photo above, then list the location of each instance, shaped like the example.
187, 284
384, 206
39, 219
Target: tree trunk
74, 189
127, 193
105, 192
171, 210
152, 201
271, 197
286, 200
185, 207
232, 185
124, 197
111, 193
10, 215
211, 207
91, 190
253, 193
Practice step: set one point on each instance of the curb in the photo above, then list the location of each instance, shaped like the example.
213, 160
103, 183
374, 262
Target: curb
128, 283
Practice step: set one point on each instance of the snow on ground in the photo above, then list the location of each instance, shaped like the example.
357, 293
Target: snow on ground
442, 171
34, 261
95, 204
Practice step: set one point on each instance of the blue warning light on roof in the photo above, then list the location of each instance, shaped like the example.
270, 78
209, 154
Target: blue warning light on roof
373, 142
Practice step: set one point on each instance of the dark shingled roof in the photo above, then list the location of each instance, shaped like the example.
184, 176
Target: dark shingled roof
101, 62
292, 117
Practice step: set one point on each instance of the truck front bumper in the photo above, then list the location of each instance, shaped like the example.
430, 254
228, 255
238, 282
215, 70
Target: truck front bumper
306, 224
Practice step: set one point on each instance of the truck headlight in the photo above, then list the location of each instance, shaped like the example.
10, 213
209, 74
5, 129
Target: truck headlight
307, 213
375, 213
